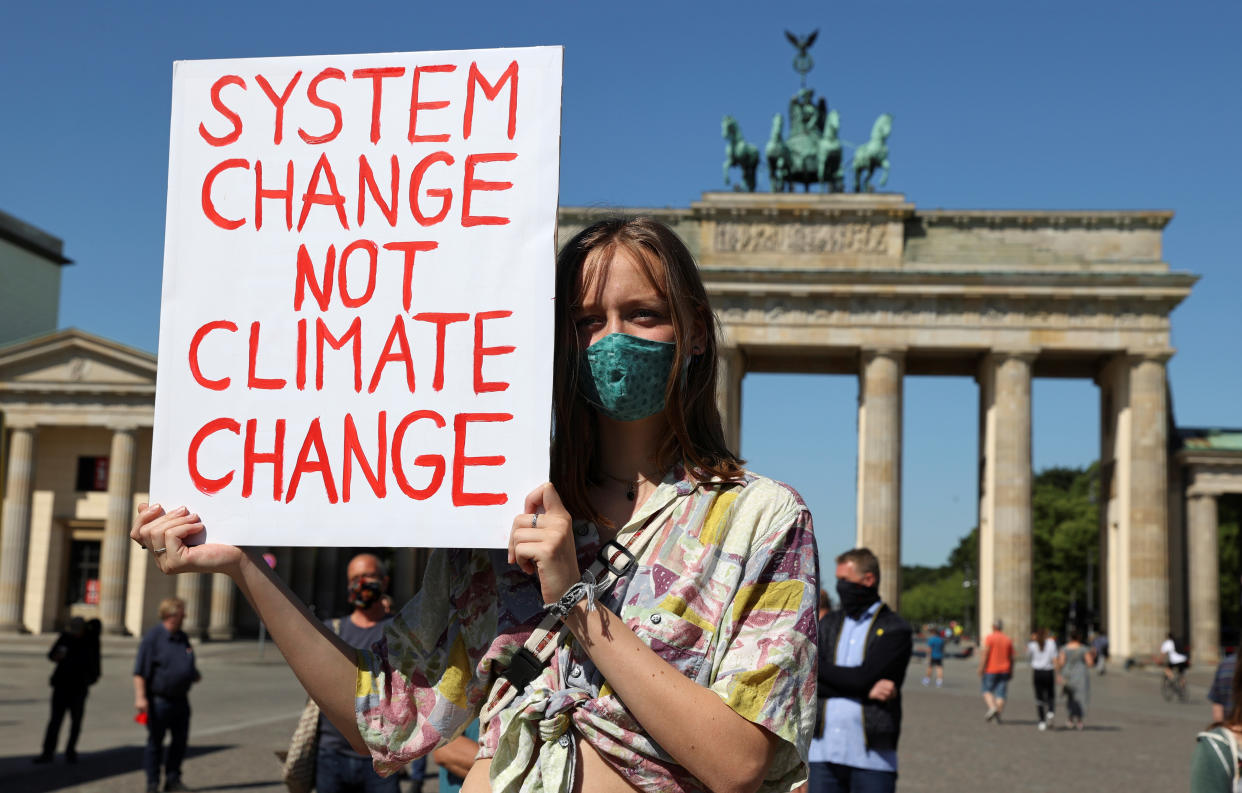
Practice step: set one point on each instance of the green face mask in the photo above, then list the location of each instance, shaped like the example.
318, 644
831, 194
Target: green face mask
625, 376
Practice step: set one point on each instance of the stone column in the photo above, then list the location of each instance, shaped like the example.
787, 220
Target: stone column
1114, 605
221, 626
730, 367
1148, 547
1005, 498
879, 463
15, 527
114, 551
190, 589
1205, 583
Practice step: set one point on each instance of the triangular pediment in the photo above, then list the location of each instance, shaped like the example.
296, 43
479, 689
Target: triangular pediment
75, 359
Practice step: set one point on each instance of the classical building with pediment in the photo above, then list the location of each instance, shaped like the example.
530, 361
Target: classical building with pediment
864, 285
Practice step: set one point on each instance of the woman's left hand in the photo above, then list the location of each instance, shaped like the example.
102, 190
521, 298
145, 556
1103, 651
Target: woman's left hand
542, 542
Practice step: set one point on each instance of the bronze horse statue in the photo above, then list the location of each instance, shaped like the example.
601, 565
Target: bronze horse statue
873, 155
739, 153
777, 154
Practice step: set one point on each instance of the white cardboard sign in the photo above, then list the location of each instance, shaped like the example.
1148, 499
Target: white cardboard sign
356, 323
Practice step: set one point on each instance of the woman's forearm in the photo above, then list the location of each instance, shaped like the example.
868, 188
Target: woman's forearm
720, 748
323, 663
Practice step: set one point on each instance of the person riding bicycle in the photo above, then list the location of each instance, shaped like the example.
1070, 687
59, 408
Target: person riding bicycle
1176, 658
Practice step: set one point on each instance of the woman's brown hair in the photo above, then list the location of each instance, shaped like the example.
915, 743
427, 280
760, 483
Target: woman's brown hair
696, 438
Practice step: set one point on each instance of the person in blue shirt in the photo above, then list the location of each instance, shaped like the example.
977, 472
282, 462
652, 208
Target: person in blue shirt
338, 767
935, 659
864, 650
163, 673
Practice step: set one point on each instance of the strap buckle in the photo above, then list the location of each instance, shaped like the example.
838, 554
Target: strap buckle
606, 551
524, 667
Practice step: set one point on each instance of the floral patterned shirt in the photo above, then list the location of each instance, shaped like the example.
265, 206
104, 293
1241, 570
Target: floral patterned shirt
726, 592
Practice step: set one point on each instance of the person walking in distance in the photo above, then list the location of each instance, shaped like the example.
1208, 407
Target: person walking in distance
1072, 665
1042, 652
77, 667
995, 669
338, 768
935, 658
1099, 645
163, 673
864, 650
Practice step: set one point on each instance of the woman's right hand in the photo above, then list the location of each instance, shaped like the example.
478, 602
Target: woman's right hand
155, 529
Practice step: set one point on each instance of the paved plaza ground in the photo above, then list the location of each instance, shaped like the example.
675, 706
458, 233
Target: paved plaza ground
247, 705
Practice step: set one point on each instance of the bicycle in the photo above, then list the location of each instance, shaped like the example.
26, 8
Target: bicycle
1175, 686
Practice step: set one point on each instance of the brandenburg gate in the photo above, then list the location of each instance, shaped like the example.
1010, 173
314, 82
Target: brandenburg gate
871, 286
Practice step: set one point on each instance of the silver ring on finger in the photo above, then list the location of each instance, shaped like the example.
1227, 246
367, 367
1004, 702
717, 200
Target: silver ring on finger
159, 551
534, 519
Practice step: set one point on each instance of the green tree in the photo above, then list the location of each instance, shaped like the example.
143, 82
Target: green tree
937, 601
1065, 538
937, 594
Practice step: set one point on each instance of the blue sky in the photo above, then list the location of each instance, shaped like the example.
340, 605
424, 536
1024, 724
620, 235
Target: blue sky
1102, 105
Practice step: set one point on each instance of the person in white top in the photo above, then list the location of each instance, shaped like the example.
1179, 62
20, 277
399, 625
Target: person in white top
1174, 660
1042, 651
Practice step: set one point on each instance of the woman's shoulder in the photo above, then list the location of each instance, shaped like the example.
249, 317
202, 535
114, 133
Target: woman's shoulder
758, 488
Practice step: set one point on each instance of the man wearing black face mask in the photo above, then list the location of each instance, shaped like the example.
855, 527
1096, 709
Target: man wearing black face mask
339, 768
864, 649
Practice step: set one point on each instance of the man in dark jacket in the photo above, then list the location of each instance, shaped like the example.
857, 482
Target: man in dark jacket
163, 673
864, 649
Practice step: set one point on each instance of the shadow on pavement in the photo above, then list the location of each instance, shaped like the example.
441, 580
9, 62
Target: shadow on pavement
1100, 728
240, 785
19, 773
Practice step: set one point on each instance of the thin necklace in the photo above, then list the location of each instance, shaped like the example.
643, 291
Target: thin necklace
631, 487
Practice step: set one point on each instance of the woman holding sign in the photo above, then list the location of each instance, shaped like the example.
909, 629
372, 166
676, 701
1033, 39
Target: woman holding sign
652, 621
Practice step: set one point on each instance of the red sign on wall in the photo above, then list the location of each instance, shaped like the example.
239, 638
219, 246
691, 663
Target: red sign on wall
92, 591
101, 474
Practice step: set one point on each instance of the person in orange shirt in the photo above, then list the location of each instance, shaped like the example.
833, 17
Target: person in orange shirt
995, 669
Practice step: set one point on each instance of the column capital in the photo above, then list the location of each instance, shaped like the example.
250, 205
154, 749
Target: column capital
21, 423
1025, 354
897, 352
1194, 493
1160, 356
120, 428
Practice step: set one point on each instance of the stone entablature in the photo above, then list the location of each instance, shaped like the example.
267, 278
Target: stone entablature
1211, 473
811, 276
817, 232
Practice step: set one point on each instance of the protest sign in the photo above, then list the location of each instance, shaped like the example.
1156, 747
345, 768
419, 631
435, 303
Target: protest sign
356, 321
